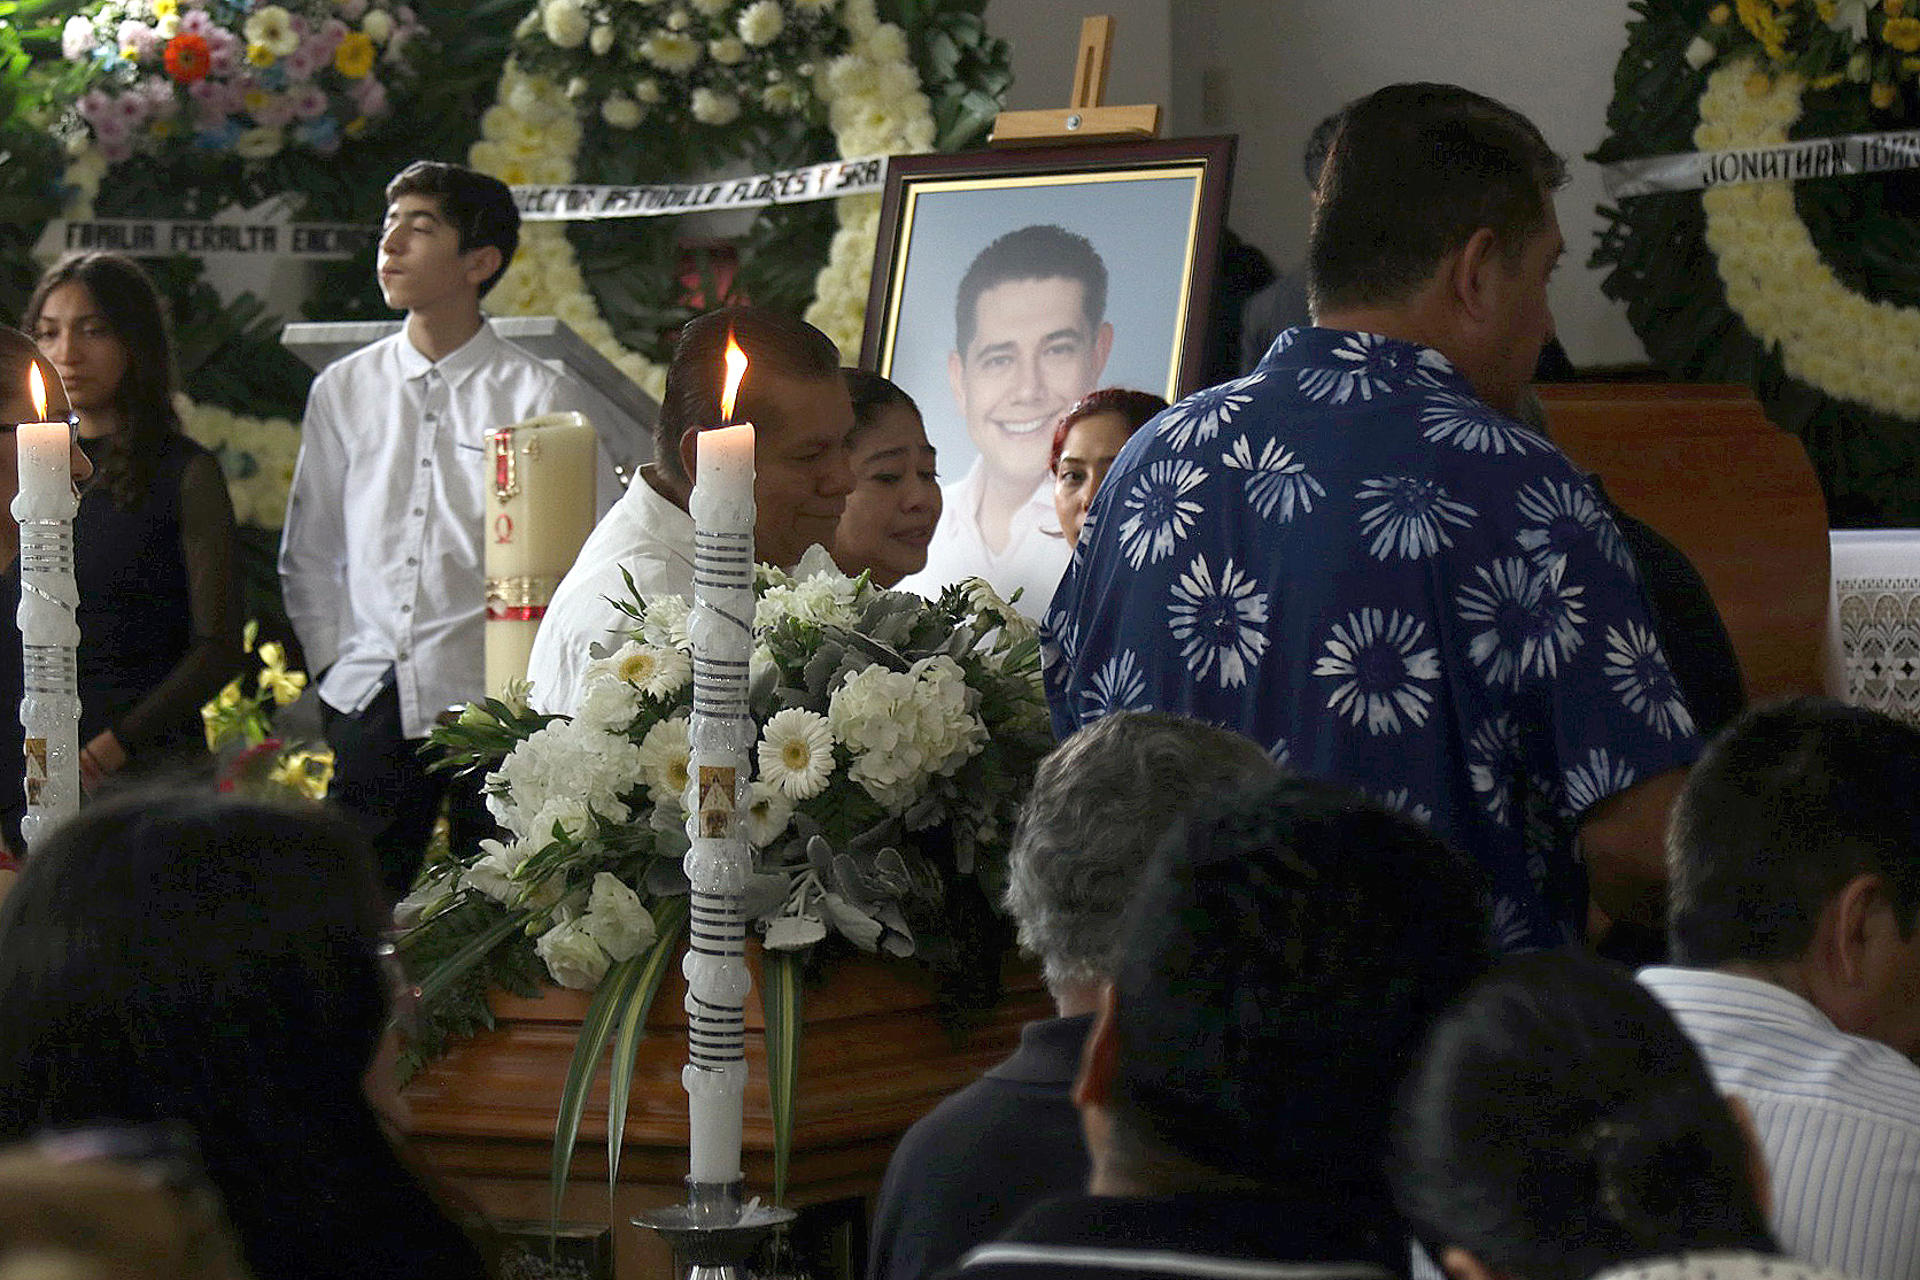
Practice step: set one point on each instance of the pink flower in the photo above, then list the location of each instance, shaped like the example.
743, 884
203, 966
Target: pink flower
195, 22
277, 111
370, 96
159, 95
132, 109
93, 105
308, 102
223, 52
109, 130
351, 9
117, 150
332, 32
304, 61
139, 37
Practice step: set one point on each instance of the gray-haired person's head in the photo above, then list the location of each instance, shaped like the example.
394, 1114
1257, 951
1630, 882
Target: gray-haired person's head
1100, 804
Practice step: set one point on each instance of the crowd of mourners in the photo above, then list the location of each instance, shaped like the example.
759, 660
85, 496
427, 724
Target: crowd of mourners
1380, 729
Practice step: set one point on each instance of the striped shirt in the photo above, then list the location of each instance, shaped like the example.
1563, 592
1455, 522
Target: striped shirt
1838, 1115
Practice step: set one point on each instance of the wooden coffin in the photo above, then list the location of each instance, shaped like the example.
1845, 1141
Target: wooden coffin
875, 1058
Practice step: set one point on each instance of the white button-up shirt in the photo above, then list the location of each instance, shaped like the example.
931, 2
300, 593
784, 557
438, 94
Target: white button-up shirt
380, 561
1033, 561
1838, 1115
646, 536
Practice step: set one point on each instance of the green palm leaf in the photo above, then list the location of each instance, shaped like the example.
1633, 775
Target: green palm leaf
781, 999
609, 1004
670, 919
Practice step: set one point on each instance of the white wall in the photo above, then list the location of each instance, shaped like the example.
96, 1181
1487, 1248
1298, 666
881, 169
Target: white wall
1267, 70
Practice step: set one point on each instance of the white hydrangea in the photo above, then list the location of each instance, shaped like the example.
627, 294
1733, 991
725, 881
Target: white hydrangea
762, 22
609, 702
617, 919
905, 728
565, 762
566, 23
572, 956
817, 593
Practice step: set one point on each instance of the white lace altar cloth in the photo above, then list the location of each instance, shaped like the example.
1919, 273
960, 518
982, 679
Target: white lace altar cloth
1873, 620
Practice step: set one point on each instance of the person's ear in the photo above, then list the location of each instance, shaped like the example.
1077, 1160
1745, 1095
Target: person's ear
481, 263
1461, 1265
1756, 1154
1099, 1056
1471, 275
956, 380
689, 450
1102, 348
1846, 926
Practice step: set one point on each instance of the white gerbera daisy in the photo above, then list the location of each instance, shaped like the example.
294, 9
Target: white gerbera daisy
768, 813
664, 760
796, 753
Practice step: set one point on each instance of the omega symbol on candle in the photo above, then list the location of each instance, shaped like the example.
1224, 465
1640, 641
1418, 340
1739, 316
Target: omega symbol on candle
502, 528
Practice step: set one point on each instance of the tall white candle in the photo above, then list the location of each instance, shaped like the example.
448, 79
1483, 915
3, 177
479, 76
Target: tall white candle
49, 629
721, 736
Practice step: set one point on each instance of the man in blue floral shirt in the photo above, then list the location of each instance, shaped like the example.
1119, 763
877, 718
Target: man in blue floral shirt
1355, 555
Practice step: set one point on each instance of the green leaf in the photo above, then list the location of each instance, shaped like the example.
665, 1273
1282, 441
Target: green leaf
780, 998
670, 920
609, 1003
444, 975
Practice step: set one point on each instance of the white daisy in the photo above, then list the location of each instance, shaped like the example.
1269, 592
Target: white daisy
1409, 516
1199, 417
1218, 624
768, 813
657, 672
1377, 658
1466, 423
1493, 764
1400, 800
1638, 670
1587, 784
1562, 514
796, 753
1365, 365
1275, 479
1159, 513
1528, 622
1119, 685
664, 759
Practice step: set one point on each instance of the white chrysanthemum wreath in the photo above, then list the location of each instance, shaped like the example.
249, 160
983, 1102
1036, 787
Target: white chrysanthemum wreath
1827, 335
532, 135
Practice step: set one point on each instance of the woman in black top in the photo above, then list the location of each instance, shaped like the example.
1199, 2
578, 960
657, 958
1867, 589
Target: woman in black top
153, 540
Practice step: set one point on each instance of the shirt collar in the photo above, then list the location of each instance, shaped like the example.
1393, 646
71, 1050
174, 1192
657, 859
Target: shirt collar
1310, 347
456, 366
1049, 1052
1760, 1001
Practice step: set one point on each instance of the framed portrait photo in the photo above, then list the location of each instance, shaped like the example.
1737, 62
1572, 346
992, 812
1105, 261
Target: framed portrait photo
1009, 284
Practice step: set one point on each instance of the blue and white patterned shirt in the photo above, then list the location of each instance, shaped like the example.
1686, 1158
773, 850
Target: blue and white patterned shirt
1351, 558
1838, 1117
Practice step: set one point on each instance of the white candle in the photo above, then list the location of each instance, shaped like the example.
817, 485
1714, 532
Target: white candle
721, 735
46, 485
49, 629
539, 510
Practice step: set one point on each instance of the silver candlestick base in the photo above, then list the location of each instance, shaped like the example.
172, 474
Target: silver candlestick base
711, 1235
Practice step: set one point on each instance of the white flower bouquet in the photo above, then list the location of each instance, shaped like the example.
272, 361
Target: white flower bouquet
898, 737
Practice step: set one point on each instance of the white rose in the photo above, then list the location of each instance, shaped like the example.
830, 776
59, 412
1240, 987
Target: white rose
492, 874
573, 957
566, 23
762, 23
609, 702
621, 112
616, 919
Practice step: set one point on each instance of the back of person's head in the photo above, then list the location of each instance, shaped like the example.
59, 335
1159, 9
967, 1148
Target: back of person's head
1560, 1123
1039, 252
776, 345
126, 297
1101, 802
871, 394
1279, 966
1415, 171
477, 205
1319, 144
1790, 803
1134, 408
178, 956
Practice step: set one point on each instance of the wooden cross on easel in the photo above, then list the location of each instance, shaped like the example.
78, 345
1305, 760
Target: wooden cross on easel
1085, 119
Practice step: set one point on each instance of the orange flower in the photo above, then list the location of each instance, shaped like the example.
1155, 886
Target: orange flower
186, 58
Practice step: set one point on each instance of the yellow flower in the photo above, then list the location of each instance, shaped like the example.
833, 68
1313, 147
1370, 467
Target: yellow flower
1766, 26
1719, 15
259, 55
1902, 33
230, 696
1759, 84
1827, 9
166, 8
1894, 8
354, 58
1910, 65
1882, 96
306, 772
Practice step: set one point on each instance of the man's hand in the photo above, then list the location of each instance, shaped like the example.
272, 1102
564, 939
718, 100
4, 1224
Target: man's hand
101, 758
1623, 840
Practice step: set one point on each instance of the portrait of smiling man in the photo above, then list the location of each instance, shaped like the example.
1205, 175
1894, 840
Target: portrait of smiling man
1030, 338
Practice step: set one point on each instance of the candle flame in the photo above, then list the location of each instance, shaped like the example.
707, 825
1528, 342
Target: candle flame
736, 370
37, 387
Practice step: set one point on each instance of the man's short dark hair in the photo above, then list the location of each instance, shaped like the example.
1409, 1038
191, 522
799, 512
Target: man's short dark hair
479, 206
1039, 252
1279, 966
1319, 143
1786, 806
1100, 804
1415, 170
776, 344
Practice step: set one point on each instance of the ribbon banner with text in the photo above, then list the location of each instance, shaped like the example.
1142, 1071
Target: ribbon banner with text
1853, 153
788, 186
164, 237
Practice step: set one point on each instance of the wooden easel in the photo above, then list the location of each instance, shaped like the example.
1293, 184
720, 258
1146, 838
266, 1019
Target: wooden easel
1084, 119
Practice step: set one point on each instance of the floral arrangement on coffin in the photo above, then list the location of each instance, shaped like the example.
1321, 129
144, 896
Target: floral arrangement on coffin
898, 737
706, 62
233, 75
239, 729
1824, 42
